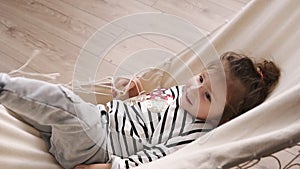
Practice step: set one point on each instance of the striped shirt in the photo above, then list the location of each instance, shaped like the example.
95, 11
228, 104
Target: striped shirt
136, 136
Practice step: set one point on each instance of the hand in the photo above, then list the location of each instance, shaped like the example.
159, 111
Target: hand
120, 85
94, 166
130, 90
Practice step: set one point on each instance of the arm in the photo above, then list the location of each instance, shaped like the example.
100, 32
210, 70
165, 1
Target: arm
133, 87
147, 82
152, 79
105, 91
153, 153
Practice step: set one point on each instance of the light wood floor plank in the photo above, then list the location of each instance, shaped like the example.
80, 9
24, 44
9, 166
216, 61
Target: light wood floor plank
112, 9
173, 45
12, 59
61, 19
25, 38
60, 28
211, 8
125, 49
203, 18
234, 5
245, 1
8, 63
148, 2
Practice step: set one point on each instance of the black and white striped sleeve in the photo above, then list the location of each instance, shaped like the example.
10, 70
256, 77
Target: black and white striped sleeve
149, 154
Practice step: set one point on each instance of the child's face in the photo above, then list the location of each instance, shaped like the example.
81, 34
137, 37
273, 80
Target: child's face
199, 99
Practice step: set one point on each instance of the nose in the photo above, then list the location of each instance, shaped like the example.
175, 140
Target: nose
197, 85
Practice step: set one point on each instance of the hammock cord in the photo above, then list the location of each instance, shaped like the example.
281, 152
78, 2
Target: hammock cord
108, 82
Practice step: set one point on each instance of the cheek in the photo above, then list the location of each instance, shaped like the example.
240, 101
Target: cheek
198, 109
184, 104
202, 111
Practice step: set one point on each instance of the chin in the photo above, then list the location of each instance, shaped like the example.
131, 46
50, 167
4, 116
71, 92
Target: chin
186, 106
183, 105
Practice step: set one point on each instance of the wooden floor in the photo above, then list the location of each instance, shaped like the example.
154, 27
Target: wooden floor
58, 29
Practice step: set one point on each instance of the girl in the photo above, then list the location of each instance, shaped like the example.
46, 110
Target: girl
118, 135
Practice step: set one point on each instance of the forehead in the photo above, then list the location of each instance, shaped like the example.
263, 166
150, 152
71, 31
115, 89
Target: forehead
223, 84
216, 75
217, 82
219, 71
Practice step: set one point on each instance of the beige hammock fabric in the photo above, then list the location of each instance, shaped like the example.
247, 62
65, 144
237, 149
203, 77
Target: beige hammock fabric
262, 29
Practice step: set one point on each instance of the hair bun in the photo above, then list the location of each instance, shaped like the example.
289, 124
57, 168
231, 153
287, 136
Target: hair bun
270, 73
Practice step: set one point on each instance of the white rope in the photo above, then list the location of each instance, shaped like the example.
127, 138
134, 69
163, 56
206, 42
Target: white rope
35, 53
52, 76
109, 82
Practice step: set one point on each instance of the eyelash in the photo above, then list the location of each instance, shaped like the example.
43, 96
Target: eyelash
201, 79
207, 96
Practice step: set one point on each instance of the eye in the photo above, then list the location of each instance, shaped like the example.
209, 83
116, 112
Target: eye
207, 96
201, 79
